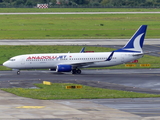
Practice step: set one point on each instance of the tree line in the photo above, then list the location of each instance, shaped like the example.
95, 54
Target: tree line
81, 3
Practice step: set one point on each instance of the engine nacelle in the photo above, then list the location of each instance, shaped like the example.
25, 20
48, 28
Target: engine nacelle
64, 68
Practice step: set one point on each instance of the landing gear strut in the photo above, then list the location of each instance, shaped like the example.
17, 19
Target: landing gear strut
76, 71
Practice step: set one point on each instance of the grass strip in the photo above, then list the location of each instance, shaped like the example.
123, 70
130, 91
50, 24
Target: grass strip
20, 10
77, 26
59, 91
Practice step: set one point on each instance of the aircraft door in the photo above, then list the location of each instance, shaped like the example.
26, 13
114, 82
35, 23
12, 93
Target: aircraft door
22, 61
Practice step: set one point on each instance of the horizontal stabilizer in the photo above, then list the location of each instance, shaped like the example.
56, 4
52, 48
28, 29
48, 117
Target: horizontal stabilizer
138, 54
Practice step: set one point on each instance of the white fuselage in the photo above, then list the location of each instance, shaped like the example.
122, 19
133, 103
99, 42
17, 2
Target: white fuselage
81, 60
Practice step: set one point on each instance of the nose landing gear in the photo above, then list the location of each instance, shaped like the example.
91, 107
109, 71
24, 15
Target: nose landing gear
18, 72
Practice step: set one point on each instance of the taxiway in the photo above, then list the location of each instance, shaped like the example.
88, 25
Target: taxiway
145, 81
138, 80
74, 42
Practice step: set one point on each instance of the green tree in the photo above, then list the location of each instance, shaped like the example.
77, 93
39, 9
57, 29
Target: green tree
104, 2
53, 2
19, 2
30, 3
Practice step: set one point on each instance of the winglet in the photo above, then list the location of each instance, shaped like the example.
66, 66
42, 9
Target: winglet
135, 44
82, 50
110, 56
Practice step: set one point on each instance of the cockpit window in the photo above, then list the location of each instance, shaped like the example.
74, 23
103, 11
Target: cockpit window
12, 59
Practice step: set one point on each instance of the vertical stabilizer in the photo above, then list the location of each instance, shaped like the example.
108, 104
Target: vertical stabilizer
135, 44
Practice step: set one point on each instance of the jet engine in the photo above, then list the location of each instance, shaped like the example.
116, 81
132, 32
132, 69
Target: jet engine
64, 68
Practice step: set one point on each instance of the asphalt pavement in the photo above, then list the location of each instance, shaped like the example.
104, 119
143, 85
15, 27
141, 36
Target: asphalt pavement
138, 80
144, 80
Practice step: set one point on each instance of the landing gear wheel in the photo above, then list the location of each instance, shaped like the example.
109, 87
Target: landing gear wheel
78, 71
74, 71
18, 72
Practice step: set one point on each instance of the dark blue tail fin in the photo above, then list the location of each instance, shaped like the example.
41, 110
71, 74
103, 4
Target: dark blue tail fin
135, 44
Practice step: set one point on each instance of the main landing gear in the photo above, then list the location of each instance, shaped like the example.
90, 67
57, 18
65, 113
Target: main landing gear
76, 71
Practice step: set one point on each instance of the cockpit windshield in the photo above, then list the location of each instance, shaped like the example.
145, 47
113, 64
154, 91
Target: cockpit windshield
12, 59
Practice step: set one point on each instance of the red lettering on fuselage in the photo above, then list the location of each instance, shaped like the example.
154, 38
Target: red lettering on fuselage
29, 58
46, 57
33, 57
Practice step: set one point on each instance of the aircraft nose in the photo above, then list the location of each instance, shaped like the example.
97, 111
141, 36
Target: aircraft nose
6, 64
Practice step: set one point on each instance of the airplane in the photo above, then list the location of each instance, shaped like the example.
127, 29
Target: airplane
72, 62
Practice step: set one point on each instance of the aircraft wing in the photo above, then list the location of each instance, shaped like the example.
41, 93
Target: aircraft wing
80, 64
